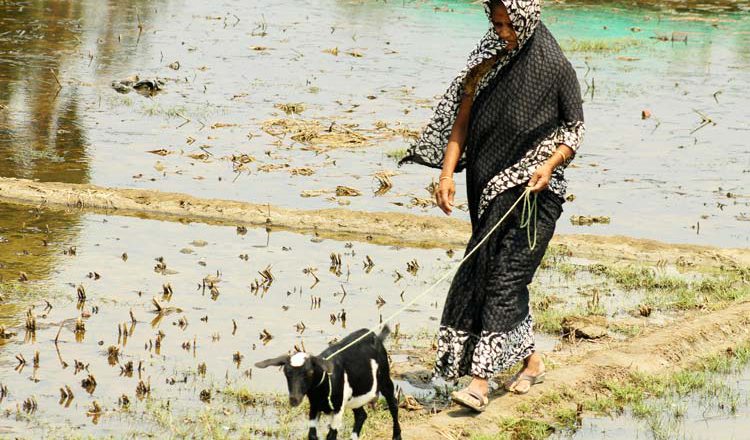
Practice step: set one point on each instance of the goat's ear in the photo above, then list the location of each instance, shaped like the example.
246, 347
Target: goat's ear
325, 364
275, 362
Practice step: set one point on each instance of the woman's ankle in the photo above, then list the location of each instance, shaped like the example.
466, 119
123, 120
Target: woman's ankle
480, 384
534, 362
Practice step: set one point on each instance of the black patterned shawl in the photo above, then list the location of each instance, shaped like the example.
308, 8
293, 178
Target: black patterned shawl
528, 103
429, 148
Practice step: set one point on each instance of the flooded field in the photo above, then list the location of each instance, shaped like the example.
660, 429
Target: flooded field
218, 310
158, 313
347, 93
120, 326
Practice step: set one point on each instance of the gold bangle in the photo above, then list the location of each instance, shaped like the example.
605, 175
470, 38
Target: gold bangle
444, 177
565, 158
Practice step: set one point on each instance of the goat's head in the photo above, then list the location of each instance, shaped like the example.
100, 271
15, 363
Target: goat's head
303, 372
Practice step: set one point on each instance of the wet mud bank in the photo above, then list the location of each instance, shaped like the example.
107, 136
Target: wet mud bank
379, 228
580, 374
386, 228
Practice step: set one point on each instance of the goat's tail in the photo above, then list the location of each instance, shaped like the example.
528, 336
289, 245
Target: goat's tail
383, 333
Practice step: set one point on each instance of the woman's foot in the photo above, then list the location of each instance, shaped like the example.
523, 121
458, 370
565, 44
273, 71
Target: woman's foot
474, 396
480, 386
532, 373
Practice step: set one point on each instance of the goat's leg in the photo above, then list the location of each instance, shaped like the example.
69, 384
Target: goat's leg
388, 391
360, 415
336, 422
314, 416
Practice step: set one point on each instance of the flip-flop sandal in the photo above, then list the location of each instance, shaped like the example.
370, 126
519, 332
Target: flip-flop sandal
470, 399
532, 380
508, 385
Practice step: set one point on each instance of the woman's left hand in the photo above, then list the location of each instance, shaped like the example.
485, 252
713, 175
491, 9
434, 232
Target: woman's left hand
541, 178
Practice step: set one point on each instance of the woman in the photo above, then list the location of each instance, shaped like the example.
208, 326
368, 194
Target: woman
513, 119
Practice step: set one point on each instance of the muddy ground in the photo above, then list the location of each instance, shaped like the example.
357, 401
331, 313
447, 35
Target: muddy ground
584, 368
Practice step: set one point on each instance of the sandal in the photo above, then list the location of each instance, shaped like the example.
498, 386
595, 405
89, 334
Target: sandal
470, 399
532, 380
508, 385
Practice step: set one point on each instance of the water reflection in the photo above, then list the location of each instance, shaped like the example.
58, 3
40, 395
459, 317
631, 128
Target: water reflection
32, 239
219, 99
43, 124
50, 51
32, 242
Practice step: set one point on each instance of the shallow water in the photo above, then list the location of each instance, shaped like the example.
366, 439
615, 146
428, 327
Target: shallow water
656, 178
80, 247
191, 253
115, 260
700, 416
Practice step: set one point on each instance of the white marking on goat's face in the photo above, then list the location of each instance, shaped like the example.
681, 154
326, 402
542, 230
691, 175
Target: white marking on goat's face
298, 359
363, 399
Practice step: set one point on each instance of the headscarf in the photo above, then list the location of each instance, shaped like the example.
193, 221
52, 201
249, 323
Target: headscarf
429, 148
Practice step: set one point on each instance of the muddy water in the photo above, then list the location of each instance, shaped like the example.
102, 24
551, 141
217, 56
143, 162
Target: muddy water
190, 252
114, 260
656, 178
30, 240
117, 261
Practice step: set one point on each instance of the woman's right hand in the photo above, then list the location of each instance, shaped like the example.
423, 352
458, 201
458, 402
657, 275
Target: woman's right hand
444, 195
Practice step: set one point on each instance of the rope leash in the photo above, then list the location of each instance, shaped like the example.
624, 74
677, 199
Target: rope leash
529, 211
330, 388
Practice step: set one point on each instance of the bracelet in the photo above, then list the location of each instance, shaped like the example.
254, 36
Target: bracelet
565, 158
444, 177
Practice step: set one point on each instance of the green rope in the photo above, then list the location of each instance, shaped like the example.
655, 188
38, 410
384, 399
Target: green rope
529, 212
330, 388
330, 391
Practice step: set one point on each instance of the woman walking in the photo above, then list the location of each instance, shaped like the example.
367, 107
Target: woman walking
513, 119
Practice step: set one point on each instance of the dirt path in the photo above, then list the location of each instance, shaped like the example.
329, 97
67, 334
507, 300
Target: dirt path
662, 350
385, 228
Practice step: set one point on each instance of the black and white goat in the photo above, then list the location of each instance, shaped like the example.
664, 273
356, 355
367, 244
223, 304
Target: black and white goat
350, 379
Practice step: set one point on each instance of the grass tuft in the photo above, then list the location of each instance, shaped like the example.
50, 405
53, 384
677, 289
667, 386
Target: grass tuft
520, 429
600, 45
396, 154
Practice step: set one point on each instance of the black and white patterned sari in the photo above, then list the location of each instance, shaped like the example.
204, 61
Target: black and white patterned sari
528, 104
